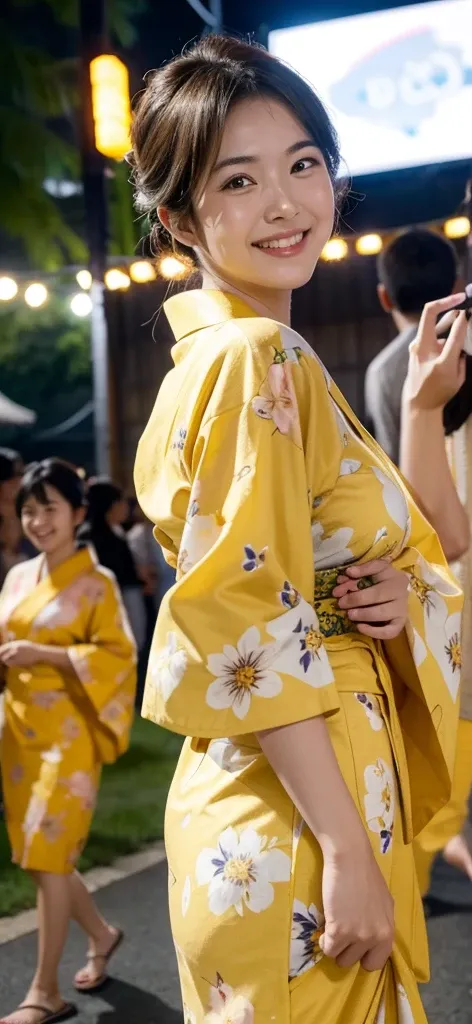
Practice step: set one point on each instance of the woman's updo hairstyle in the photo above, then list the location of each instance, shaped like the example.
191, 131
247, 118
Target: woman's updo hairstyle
180, 116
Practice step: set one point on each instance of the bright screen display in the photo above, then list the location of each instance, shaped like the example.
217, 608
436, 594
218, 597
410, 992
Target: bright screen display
397, 83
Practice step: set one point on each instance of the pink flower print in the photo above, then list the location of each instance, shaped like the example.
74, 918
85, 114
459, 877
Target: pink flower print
70, 729
81, 785
17, 773
74, 853
112, 711
46, 699
277, 401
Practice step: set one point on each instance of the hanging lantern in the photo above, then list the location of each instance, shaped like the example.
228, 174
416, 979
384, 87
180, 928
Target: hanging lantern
111, 105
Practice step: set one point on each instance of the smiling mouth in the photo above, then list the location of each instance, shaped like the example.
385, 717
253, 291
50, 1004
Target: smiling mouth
287, 242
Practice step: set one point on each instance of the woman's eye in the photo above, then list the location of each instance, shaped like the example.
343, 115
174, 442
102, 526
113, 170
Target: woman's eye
239, 182
305, 164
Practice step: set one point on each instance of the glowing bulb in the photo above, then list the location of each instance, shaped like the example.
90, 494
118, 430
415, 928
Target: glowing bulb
457, 227
81, 304
84, 279
36, 295
142, 271
335, 249
8, 288
171, 267
369, 245
116, 279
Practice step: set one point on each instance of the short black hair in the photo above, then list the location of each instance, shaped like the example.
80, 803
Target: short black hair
53, 472
11, 464
102, 493
419, 266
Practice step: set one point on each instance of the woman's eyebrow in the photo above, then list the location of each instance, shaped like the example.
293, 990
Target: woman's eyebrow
234, 161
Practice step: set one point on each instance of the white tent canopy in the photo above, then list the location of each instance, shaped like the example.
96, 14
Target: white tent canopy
14, 414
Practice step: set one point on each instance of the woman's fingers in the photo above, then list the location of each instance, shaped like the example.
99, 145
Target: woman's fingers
380, 593
387, 632
426, 340
372, 568
385, 612
454, 343
376, 958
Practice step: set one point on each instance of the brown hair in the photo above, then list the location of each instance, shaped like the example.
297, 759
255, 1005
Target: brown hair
180, 117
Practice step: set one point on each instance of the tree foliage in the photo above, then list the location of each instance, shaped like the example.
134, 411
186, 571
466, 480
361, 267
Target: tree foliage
38, 114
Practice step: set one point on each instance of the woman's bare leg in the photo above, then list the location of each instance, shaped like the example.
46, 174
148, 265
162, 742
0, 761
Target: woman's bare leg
100, 934
54, 912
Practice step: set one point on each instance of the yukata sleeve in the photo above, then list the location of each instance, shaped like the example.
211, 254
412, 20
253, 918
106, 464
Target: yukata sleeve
237, 646
104, 662
427, 659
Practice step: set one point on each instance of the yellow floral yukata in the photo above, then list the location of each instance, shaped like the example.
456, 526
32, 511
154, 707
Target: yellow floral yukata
57, 732
262, 485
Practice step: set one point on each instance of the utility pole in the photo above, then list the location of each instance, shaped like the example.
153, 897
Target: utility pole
92, 44
212, 15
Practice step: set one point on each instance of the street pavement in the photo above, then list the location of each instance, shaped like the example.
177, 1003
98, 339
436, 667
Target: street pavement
145, 987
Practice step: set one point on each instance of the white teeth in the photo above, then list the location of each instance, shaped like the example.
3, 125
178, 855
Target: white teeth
282, 243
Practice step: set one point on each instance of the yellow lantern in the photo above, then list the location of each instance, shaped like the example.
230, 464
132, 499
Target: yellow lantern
335, 249
369, 245
457, 227
111, 107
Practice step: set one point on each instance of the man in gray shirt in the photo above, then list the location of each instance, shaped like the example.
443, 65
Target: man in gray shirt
419, 266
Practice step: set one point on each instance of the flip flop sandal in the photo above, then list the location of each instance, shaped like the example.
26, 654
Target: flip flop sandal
99, 982
50, 1016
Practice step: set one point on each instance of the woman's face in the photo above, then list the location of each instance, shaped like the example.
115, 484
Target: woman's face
267, 209
50, 527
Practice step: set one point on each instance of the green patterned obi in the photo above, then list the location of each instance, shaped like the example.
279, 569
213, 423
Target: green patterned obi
333, 620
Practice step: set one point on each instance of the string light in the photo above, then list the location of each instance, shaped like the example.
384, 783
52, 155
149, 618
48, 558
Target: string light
36, 295
84, 279
81, 304
335, 249
116, 279
142, 271
369, 245
8, 289
172, 268
457, 227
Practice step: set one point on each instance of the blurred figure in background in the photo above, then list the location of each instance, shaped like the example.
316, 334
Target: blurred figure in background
11, 537
107, 510
69, 659
438, 399
419, 266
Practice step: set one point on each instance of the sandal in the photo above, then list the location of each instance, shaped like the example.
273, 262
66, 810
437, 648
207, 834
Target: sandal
67, 1011
103, 978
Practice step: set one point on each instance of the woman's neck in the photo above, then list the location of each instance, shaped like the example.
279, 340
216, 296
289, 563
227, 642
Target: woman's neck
273, 304
55, 558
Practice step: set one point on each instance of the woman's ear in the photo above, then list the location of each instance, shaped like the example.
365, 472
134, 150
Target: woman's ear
79, 516
178, 226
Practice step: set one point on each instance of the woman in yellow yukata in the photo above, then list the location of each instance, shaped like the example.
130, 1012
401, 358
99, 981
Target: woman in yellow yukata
69, 663
440, 471
309, 649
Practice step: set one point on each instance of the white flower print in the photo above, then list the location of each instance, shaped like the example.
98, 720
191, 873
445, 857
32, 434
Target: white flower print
372, 709
167, 666
307, 926
199, 535
394, 499
442, 631
381, 533
380, 1018
405, 1013
189, 1016
186, 893
229, 756
186, 820
242, 672
417, 644
241, 872
300, 649
228, 1006
332, 550
349, 466
379, 801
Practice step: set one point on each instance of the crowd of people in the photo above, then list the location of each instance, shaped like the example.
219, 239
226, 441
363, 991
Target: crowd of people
309, 646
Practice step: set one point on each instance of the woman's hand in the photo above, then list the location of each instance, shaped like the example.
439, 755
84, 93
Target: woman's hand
436, 368
358, 910
21, 653
379, 610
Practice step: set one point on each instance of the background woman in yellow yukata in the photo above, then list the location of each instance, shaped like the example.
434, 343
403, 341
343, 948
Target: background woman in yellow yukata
69, 664
320, 715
